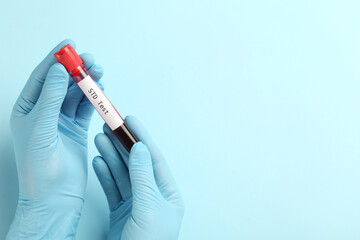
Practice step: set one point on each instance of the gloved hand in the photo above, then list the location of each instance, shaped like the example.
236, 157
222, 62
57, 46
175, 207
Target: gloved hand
143, 198
49, 123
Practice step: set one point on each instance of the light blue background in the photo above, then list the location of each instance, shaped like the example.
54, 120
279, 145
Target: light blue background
254, 103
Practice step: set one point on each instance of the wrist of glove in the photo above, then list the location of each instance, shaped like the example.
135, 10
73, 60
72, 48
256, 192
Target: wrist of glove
61, 219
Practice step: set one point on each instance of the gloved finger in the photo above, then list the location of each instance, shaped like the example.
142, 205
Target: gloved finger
107, 182
163, 176
31, 92
85, 110
115, 163
141, 174
121, 149
74, 94
47, 108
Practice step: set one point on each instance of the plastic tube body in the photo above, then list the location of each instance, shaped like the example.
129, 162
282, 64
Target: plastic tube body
104, 107
74, 65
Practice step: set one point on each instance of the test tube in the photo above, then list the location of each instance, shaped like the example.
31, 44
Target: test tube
74, 65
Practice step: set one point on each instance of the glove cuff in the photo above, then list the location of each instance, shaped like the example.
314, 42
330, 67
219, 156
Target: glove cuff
43, 220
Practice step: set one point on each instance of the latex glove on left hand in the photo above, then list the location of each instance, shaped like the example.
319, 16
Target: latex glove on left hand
50, 123
144, 200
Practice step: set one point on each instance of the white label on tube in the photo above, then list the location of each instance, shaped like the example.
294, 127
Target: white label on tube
102, 105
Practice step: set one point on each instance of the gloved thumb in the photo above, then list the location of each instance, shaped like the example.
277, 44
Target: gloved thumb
141, 173
52, 95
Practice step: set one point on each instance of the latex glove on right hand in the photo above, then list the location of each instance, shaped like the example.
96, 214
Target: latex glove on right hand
143, 198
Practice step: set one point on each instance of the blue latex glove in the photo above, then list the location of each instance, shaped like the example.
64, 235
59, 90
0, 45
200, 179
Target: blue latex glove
49, 123
144, 200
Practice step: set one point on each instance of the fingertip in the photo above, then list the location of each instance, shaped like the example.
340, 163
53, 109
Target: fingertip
99, 138
137, 128
106, 129
140, 152
97, 71
97, 161
69, 41
100, 167
139, 146
107, 182
87, 56
63, 43
88, 59
130, 119
134, 124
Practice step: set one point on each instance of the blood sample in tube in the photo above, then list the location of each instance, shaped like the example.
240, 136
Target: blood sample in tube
74, 65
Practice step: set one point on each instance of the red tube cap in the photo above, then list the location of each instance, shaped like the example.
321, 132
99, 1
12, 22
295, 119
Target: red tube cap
68, 57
